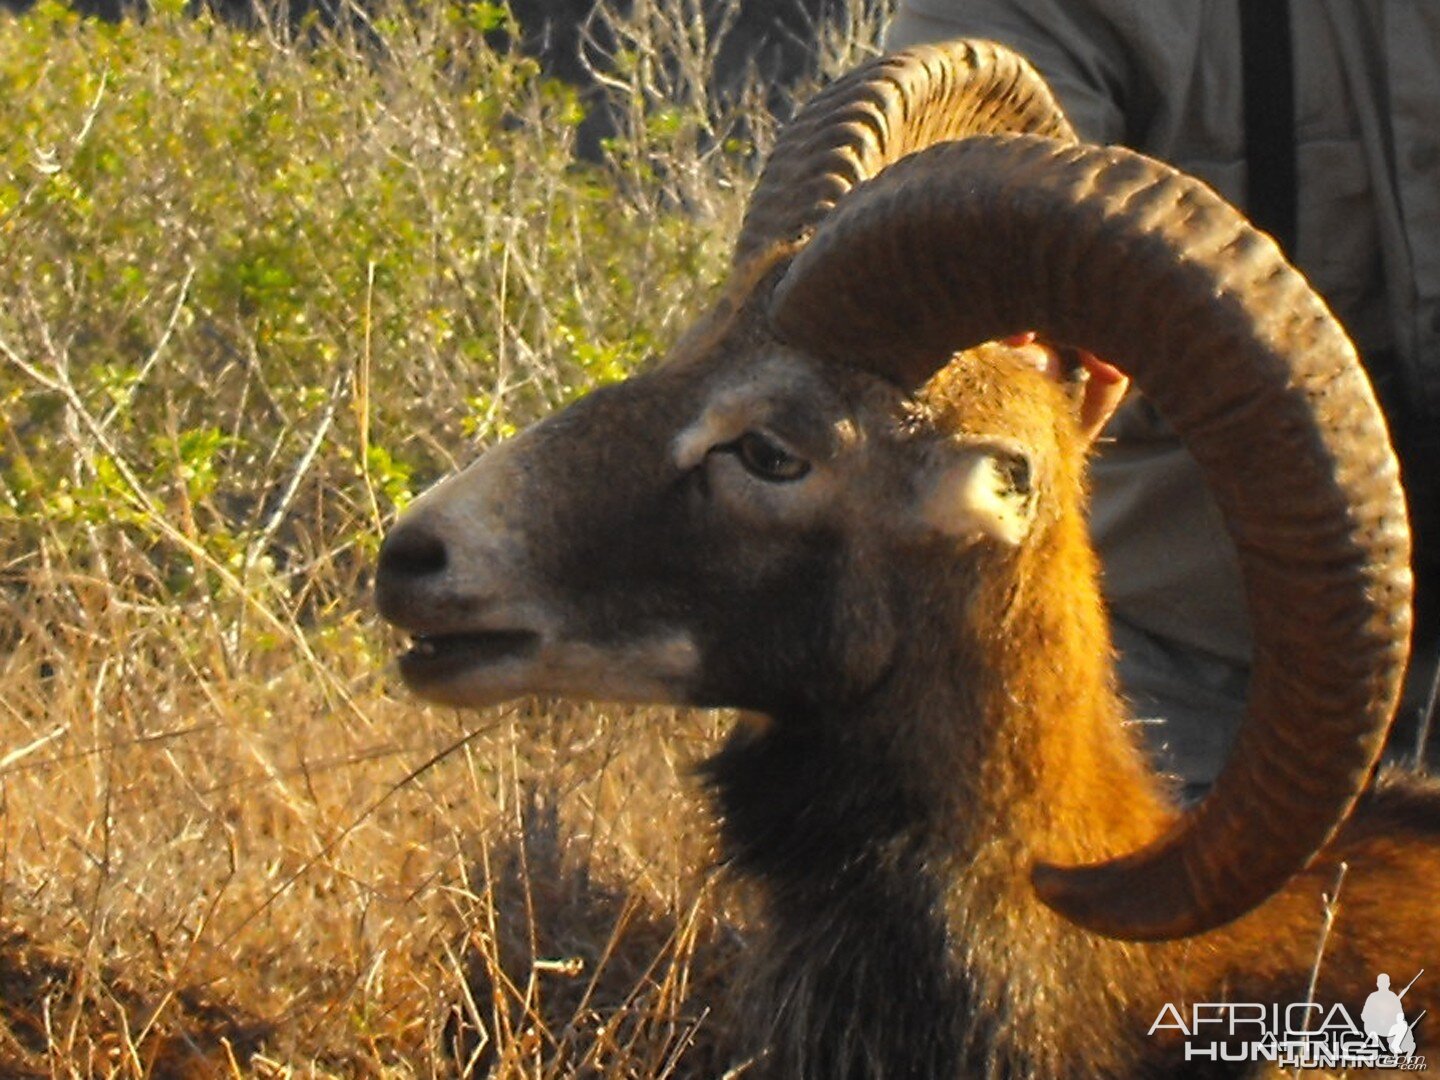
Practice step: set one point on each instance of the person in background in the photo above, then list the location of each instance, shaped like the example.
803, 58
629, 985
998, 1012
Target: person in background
1324, 125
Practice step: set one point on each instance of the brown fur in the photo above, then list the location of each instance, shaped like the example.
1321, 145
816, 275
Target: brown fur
1020, 714
1058, 776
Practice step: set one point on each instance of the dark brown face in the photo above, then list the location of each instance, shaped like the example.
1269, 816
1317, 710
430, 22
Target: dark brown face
720, 531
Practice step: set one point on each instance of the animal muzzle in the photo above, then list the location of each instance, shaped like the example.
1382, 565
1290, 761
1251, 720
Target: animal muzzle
475, 639
457, 575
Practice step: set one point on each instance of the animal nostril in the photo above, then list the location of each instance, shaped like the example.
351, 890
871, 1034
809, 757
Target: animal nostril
412, 552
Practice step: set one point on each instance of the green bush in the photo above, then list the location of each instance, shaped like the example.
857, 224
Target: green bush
257, 290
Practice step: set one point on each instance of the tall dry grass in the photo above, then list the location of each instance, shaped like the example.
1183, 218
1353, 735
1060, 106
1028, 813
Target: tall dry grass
256, 289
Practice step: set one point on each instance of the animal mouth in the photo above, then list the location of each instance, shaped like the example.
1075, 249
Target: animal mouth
436, 659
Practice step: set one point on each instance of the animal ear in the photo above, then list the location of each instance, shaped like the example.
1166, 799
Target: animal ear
975, 491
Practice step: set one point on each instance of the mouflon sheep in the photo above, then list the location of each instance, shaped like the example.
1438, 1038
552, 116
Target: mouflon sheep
835, 507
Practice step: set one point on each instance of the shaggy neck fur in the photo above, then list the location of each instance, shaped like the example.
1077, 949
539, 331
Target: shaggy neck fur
894, 838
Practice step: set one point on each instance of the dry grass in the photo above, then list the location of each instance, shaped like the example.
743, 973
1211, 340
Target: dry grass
220, 868
253, 294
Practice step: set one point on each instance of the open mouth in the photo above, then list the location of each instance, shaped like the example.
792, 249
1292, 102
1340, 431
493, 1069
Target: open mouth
442, 657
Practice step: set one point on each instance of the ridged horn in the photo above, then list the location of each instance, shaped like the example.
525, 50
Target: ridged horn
1103, 249
879, 113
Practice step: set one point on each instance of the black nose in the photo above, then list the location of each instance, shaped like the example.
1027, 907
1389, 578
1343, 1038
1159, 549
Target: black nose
411, 552
411, 558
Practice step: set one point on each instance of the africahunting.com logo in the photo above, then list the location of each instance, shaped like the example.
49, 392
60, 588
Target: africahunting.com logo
1304, 1034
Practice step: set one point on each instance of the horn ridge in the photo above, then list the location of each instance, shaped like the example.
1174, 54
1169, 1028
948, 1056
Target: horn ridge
879, 113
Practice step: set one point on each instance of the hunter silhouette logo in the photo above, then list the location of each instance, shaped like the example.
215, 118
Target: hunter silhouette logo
1384, 1017
1302, 1034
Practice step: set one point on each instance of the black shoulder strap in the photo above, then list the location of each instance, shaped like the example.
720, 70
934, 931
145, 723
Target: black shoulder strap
1268, 70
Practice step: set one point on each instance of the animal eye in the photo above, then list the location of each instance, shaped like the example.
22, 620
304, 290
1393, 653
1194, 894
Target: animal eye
767, 459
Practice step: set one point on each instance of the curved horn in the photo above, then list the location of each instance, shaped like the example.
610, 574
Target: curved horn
881, 112
1107, 250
